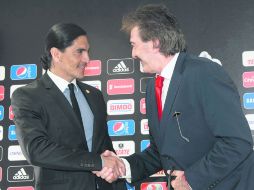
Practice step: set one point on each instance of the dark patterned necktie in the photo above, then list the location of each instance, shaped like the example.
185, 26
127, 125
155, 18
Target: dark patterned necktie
75, 103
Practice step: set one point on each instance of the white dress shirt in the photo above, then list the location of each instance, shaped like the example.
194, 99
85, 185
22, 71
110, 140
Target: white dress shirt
167, 73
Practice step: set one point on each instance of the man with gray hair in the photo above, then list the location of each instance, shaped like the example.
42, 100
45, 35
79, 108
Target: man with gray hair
198, 133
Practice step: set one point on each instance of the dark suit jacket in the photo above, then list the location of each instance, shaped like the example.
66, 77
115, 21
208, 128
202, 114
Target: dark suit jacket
219, 153
53, 140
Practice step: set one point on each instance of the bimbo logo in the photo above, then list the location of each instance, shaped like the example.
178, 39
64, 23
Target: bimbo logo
22, 72
121, 127
120, 107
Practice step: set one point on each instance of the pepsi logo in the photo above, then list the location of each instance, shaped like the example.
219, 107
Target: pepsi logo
119, 126
21, 72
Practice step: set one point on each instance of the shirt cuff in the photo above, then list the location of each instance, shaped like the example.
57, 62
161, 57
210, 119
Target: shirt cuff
127, 170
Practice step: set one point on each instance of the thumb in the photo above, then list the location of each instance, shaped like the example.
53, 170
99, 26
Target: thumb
177, 173
108, 153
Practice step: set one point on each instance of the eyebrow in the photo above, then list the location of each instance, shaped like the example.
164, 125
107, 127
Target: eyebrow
81, 49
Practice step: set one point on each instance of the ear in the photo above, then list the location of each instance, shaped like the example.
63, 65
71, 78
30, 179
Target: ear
156, 44
56, 54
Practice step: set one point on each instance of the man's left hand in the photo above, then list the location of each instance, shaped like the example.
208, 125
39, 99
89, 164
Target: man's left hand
179, 183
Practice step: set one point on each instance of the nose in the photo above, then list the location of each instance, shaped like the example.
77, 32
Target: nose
133, 53
85, 57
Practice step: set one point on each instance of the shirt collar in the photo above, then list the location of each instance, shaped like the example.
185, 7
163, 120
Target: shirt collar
60, 82
167, 71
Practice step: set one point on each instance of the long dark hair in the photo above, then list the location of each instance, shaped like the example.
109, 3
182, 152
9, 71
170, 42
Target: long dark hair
60, 36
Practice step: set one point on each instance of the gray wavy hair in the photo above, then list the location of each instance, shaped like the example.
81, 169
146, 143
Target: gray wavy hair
156, 22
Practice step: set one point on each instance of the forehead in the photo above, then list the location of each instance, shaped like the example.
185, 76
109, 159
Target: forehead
134, 35
80, 42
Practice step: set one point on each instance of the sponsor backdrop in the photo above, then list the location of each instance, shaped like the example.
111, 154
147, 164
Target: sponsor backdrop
222, 30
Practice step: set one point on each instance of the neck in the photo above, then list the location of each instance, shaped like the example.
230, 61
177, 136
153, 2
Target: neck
164, 60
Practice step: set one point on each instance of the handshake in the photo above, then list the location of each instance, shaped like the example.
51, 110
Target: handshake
112, 167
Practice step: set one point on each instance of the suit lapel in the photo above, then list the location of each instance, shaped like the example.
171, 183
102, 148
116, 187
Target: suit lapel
154, 103
173, 87
62, 102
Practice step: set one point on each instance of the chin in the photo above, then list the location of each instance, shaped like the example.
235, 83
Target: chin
80, 75
147, 70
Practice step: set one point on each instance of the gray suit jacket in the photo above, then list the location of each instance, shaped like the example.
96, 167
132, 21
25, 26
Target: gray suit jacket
53, 140
219, 154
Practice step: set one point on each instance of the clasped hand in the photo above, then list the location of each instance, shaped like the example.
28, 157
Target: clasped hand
180, 183
113, 167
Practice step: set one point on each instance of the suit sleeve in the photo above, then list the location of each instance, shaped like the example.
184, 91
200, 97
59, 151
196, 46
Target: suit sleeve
148, 162
145, 163
223, 114
37, 145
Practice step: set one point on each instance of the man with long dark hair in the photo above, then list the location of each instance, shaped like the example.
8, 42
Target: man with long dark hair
61, 122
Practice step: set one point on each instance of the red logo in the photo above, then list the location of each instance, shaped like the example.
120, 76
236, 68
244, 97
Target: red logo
93, 68
1, 93
120, 86
143, 106
11, 115
248, 79
21, 188
153, 186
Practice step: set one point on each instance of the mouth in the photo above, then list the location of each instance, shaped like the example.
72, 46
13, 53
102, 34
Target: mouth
82, 66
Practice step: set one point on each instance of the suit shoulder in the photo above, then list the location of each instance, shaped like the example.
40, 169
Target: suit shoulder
89, 87
201, 62
30, 89
203, 66
205, 69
